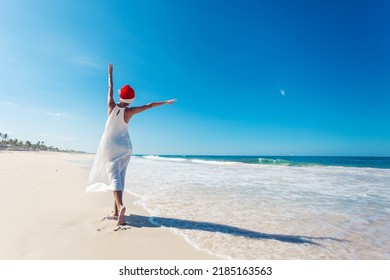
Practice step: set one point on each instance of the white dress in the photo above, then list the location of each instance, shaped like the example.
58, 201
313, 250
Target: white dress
113, 155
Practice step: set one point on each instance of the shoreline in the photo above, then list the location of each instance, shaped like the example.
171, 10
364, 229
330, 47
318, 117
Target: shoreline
55, 219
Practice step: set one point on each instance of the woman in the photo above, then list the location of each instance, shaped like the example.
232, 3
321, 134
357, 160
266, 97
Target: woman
109, 168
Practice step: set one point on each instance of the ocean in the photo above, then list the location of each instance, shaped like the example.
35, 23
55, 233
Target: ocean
247, 207
374, 162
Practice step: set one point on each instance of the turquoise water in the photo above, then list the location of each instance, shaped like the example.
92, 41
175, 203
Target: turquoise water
373, 162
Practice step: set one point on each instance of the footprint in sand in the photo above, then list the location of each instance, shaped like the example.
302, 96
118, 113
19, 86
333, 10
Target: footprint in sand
109, 223
123, 227
110, 218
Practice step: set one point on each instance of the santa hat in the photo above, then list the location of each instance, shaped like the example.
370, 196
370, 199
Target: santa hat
126, 94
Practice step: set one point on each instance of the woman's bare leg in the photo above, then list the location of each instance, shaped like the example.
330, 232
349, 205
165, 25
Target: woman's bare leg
115, 211
119, 206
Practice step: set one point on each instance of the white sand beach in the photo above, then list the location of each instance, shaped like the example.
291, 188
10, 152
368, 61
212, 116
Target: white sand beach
46, 214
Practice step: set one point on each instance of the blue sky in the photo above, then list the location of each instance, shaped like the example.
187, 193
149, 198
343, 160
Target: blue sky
251, 77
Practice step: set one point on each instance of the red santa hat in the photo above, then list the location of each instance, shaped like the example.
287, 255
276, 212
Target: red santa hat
126, 94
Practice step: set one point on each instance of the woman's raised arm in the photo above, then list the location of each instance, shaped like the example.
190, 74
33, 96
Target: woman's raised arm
110, 99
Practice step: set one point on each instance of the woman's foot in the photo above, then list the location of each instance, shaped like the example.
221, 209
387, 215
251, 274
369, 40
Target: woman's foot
121, 217
114, 214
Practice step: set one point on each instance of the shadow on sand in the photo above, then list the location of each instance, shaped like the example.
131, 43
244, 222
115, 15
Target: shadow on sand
144, 221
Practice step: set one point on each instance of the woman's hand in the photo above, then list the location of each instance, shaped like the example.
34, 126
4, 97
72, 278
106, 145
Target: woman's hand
171, 101
109, 69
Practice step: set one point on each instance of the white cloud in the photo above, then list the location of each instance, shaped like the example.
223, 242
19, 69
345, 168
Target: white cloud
6, 103
85, 62
57, 115
52, 137
35, 111
282, 92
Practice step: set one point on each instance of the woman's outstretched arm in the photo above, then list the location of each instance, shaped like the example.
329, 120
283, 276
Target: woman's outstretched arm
136, 110
111, 101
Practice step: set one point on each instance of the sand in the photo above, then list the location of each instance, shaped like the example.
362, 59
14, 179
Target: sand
47, 215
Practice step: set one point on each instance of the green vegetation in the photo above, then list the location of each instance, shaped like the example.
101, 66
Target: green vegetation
9, 144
